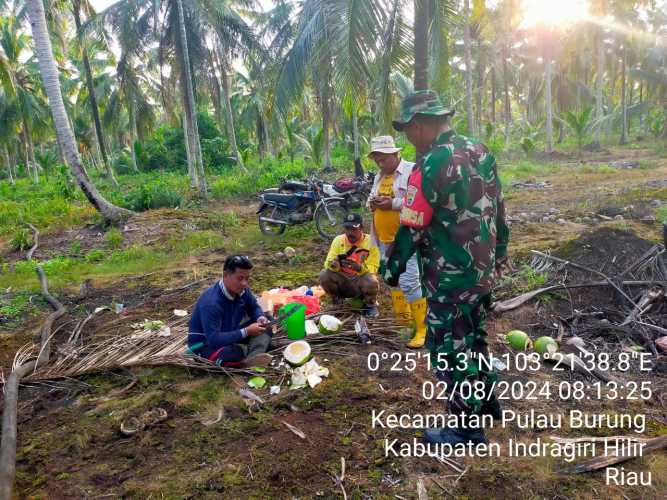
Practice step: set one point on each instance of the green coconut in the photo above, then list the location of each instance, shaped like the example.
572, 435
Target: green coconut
518, 340
330, 324
297, 353
545, 345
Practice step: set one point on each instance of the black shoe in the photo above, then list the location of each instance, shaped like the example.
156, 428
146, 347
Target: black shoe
337, 301
454, 436
492, 407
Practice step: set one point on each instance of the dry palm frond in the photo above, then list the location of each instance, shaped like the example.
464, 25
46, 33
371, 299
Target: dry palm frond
147, 348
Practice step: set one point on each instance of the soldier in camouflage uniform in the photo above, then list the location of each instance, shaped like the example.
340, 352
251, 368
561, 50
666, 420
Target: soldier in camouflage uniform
460, 250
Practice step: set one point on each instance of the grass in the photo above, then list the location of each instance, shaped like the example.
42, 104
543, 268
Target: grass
63, 272
661, 213
13, 308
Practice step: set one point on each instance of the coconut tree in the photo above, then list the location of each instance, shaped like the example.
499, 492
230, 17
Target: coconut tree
396, 53
9, 125
432, 18
234, 38
80, 7
21, 83
421, 29
653, 70
336, 40
49, 73
507, 13
470, 117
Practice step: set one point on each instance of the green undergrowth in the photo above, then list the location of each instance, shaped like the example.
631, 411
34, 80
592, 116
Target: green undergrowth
109, 263
44, 213
525, 280
661, 214
528, 169
13, 307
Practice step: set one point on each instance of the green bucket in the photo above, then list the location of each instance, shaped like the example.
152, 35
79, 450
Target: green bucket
295, 324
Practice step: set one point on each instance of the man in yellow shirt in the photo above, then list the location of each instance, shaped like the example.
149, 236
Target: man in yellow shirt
386, 200
351, 266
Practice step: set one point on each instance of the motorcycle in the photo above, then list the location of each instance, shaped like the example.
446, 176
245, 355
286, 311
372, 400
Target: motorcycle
354, 190
297, 202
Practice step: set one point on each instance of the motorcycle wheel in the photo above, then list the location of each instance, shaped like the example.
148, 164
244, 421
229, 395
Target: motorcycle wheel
271, 228
329, 218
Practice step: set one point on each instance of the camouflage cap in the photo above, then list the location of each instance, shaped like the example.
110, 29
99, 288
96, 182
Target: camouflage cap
421, 102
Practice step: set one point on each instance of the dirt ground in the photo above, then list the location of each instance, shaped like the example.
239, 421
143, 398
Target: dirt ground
213, 445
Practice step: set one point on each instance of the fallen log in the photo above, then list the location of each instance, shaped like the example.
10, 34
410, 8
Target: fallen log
35, 244
9, 416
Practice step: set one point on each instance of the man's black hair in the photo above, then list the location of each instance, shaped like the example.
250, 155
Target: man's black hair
234, 262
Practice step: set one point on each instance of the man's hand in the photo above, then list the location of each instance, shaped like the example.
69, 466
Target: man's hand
355, 266
262, 320
255, 329
383, 203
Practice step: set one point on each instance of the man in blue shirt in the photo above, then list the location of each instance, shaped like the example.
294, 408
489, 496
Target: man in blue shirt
228, 326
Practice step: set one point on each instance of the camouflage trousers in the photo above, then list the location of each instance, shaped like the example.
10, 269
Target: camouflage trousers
456, 338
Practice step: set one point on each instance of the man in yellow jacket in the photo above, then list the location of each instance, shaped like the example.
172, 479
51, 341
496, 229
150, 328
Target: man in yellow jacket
386, 201
350, 269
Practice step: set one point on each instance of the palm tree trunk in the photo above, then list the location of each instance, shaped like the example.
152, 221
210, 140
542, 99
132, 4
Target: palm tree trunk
30, 167
229, 115
265, 131
216, 95
631, 97
641, 110
190, 106
549, 146
599, 69
192, 171
508, 109
326, 122
493, 94
470, 118
91, 94
132, 108
66, 140
358, 170
421, 45
259, 133
33, 161
624, 104
480, 64
8, 163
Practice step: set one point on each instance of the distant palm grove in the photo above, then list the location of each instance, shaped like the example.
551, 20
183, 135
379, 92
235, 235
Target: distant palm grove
223, 97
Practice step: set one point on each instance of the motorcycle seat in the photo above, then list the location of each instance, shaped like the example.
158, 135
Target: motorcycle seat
281, 198
294, 186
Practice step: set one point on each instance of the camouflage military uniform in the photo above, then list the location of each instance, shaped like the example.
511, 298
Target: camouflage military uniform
459, 250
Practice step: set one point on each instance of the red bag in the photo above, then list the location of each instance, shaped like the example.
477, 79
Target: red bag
311, 302
416, 211
345, 184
